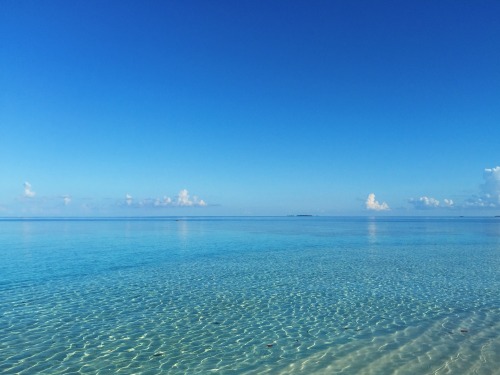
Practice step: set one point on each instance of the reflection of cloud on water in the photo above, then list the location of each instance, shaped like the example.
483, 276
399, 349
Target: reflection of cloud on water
372, 231
183, 229
27, 229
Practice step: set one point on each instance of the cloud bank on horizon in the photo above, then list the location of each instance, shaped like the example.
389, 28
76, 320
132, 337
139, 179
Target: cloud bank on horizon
183, 200
425, 203
488, 197
29, 203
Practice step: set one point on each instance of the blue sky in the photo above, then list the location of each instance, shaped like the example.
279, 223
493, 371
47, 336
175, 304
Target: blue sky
249, 107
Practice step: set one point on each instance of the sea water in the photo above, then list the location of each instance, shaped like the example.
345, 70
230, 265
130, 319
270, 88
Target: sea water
292, 295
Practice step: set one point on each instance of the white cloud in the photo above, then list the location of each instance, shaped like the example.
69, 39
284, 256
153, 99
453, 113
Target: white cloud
448, 202
166, 201
490, 190
183, 199
372, 204
477, 202
423, 203
491, 186
128, 199
199, 202
426, 203
66, 199
28, 192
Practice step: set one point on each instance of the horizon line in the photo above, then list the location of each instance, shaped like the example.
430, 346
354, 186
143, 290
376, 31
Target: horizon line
159, 217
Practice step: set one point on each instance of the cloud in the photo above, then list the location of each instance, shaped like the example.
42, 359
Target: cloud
490, 190
372, 204
424, 203
166, 201
428, 203
183, 199
66, 199
128, 199
28, 192
448, 202
491, 186
200, 202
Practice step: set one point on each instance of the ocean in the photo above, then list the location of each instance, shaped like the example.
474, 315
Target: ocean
250, 295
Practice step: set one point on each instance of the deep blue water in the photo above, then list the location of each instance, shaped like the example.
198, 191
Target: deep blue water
250, 295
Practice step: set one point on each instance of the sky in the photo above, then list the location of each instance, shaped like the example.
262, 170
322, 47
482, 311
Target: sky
133, 108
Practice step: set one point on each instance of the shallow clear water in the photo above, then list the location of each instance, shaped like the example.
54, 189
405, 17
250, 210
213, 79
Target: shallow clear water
250, 295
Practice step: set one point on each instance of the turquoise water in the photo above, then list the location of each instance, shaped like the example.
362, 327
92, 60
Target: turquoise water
298, 295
